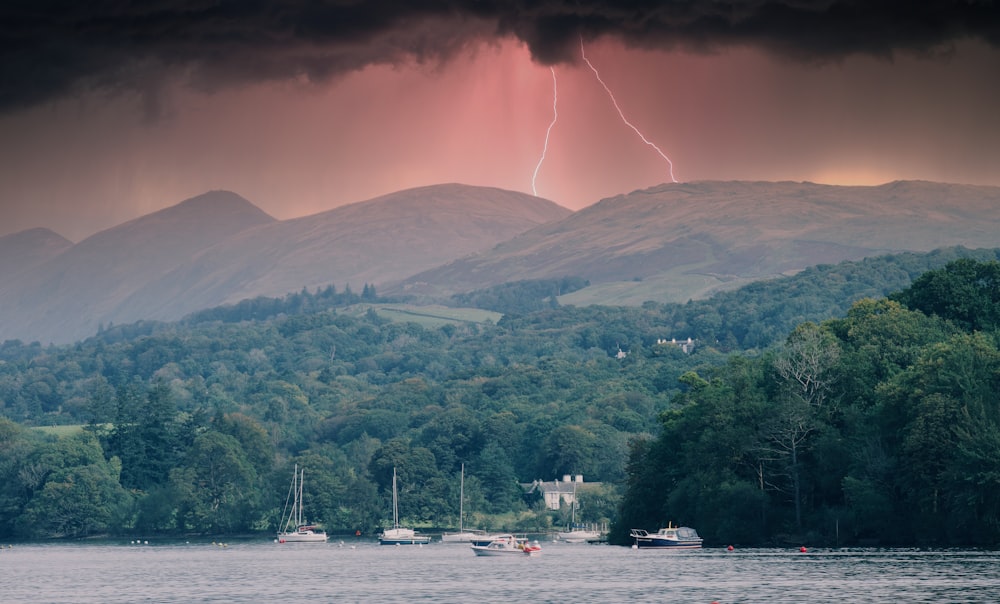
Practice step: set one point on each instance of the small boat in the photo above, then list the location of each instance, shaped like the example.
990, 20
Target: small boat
398, 535
402, 536
476, 537
672, 537
578, 533
462, 536
508, 545
296, 530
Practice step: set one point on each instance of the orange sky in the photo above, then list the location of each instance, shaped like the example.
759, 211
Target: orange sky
81, 164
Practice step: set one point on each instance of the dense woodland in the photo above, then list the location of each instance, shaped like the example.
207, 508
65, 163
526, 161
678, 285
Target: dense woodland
810, 407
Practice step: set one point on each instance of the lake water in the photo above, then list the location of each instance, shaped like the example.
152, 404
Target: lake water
363, 571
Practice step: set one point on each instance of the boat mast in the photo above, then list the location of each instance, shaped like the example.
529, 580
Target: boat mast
461, 500
395, 506
298, 519
572, 522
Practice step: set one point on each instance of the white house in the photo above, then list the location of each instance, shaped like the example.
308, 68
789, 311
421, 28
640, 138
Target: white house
557, 492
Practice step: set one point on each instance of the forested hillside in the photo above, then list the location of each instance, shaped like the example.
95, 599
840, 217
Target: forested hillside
866, 429
193, 427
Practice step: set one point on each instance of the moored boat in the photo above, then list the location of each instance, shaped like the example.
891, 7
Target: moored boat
580, 535
296, 530
402, 536
671, 537
508, 545
398, 535
463, 535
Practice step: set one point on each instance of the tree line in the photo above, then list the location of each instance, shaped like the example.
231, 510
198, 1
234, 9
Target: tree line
880, 427
193, 427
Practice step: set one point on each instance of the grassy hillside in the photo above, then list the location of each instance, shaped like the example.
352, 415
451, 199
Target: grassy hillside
685, 241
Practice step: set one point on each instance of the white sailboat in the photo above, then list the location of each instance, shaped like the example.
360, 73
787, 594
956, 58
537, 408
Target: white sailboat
296, 530
463, 536
398, 535
578, 534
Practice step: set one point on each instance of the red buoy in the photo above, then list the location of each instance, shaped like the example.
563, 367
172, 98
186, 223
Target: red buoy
730, 548
802, 549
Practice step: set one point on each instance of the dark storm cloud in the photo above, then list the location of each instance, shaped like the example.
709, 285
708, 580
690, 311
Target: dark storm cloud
53, 48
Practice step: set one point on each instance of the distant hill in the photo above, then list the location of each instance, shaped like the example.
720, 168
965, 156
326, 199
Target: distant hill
384, 239
70, 294
676, 242
22, 252
673, 242
218, 248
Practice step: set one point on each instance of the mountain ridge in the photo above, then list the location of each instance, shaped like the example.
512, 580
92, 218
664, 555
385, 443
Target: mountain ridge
671, 242
218, 247
709, 235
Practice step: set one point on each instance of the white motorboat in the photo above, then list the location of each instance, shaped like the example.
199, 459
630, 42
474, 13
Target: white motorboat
508, 545
671, 537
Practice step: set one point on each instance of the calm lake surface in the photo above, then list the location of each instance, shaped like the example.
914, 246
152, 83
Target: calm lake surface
362, 571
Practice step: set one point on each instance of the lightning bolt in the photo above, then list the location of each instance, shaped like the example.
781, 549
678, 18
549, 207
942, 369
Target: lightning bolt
621, 114
555, 116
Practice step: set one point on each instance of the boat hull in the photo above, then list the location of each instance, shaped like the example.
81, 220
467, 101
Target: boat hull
580, 536
666, 544
488, 550
302, 538
402, 536
420, 540
672, 537
508, 545
466, 537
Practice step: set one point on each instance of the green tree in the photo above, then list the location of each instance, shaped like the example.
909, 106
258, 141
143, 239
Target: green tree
568, 450
422, 490
216, 487
16, 476
253, 439
964, 291
947, 404
76, 502
498, 483
76, 492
